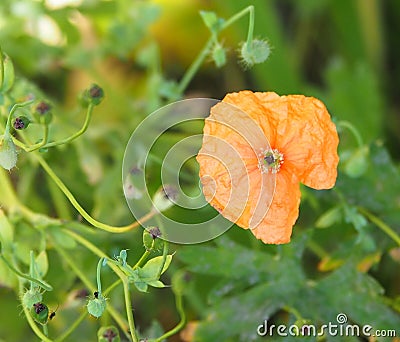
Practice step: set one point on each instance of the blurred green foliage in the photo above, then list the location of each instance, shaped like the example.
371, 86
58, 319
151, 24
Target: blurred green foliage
341, 259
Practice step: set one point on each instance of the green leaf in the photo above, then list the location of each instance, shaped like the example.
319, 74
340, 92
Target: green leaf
9, 76
355, 218
8, 152
7, 277
6, 233
42, 264
211, 20
63, 239
358, 162
140, 284
152, 268
330, 217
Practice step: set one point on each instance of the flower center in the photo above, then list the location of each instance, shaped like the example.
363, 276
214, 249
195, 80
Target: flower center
270, 161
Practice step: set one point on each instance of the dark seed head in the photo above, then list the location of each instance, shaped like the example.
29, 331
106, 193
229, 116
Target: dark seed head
20, 123
43, 107
155, 232
269, 159
109, 334
170, 192
39, 307
96, 294
96, 92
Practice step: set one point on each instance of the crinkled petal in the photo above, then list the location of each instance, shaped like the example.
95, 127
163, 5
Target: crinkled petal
306, 136
276, 227
300, 127
231, 180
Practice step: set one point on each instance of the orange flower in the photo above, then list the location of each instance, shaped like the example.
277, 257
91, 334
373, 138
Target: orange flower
255, 154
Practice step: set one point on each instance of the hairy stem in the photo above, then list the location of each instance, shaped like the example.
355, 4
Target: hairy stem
380, 224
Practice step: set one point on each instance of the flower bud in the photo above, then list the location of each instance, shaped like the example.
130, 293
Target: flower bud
31, 297
8, 152
93, 95
108, 334
42, 108
42, 112
256, 52
21, 122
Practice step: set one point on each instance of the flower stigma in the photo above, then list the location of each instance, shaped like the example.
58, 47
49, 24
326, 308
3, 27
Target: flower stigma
270, 161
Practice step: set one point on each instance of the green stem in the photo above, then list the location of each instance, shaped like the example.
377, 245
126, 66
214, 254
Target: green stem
29, 318
181, 324
31, 269
46, 330
165, 254
80, 209
194, 67
42, 284
45, 144
237, 16
128, 303
353, 130
12, 111
380, 224
111, 287
82, 276
118, 272
293, 311
317, 249
72, 327
7, 195
98, 272
42, 143
77, 134
34, 327
1, 68
144, 256
129, 311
